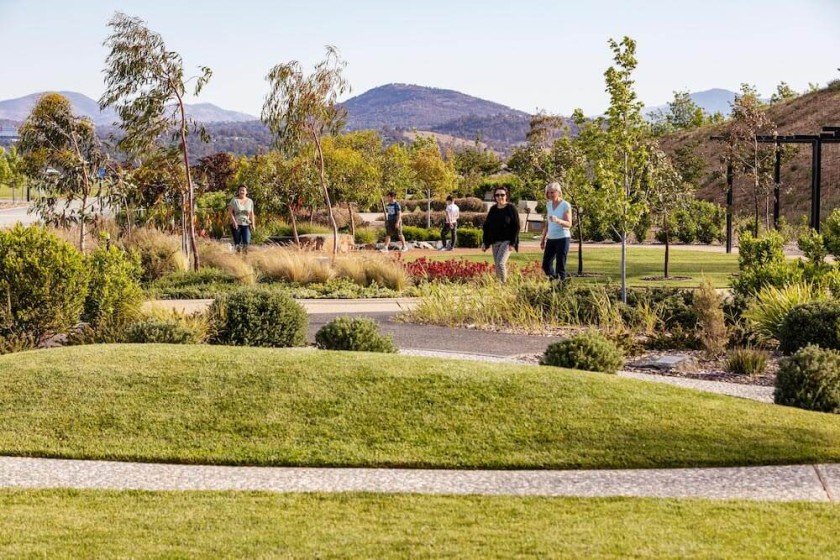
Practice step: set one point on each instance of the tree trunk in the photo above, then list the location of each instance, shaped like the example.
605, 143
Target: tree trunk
189, 210
294, 225
352, 222
624, 230
580, 245
323, 179
428, 208
667, 251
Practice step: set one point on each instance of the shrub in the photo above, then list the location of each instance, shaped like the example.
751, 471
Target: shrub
831, 233
589, 351
710, 322
162, 331
466, 219
761, 263
709, 219
281, 264
353, 333
368, 236
641, 228
810, 379
342, 219
257, 317
746, 361
413, 233
43, 282
766, 313
16, 342
811, 323
160, 254
114, 293
384, 272
219, 256
469, 238
686, 226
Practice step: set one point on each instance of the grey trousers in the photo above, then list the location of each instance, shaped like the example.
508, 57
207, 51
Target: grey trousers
501, 253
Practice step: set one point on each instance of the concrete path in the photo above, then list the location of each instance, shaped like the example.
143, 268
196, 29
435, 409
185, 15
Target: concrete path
312, 306
815, 483
11, 216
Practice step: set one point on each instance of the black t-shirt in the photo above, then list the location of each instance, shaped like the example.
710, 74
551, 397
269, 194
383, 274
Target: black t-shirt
502, 224
392, 211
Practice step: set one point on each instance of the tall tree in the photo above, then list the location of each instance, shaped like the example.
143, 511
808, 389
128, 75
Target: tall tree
145, 83
783, 93
395, 172
749, 118
352, 169
214, 172
64, 156
434, 175
625, 154
303, 107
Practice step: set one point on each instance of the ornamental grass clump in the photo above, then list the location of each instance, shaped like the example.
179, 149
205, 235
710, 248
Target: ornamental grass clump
281, 264
589, 351
160, 253
746, 361
768, 310
353, 333
219, 256
257, 317
810, 379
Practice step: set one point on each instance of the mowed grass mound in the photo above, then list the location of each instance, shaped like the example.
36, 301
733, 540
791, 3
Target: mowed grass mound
226, 405
97, 524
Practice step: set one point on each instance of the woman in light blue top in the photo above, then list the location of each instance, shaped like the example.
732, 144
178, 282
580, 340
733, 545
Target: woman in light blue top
556, 237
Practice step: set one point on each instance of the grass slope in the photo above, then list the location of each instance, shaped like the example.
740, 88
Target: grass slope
641, 262
70, 524
205, 404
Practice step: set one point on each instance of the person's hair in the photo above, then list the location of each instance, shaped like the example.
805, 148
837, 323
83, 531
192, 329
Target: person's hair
449, 197
503, 189
554, 186
240, 187
392, 193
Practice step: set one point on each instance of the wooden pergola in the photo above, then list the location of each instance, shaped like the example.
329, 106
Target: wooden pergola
829, 135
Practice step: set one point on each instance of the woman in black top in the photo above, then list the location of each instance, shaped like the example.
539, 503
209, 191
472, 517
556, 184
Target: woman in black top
501, 231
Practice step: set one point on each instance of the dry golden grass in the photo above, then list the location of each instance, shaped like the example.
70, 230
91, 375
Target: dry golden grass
290, 265
160, 253
218, 255
368, 269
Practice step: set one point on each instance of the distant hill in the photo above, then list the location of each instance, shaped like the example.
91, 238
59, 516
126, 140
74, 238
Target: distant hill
18, 109
711, 101
806, 114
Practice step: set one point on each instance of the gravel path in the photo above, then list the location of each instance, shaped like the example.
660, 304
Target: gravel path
784, 483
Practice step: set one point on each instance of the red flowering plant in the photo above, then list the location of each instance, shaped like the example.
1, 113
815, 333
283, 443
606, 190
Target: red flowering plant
452, 270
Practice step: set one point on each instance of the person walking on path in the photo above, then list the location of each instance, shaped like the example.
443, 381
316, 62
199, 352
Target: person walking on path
241, 210
556, 237
393, 222
501, 231
450, 225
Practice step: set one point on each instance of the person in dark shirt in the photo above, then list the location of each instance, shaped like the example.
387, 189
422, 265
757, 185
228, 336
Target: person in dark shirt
501, 231
393, 222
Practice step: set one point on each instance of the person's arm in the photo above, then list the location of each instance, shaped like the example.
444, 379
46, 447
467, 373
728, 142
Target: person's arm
566, 222
232, 213
485, 228
251, 217
399, 214
516, 227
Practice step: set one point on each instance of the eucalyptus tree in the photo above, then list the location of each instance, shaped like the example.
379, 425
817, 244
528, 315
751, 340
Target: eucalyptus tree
625, 153
145, 83
301, 108
63, 155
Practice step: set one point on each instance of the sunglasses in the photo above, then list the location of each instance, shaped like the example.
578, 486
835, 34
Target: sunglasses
499, 195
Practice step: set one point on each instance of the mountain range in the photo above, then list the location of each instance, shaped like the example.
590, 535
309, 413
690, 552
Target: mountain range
711, 101
399, 111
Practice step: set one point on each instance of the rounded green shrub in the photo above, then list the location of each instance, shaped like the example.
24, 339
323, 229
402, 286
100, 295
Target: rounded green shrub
589, 351
811, 323
469, 238
43, 282
161, 331
810, 379
257, 317
353, 333
114, 293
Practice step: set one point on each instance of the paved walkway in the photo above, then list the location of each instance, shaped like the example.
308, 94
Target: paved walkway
312, 306
815, 483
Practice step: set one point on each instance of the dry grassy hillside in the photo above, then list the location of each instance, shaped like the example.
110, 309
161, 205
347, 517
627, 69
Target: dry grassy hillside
804, 115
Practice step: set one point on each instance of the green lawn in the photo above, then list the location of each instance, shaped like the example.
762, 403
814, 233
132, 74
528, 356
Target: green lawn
70, 524
223, 405
641, 262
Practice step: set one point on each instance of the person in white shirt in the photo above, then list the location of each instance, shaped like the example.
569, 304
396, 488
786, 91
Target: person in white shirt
556, 237
450, 225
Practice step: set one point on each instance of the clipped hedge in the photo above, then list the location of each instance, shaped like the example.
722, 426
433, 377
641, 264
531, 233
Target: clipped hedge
466, 219
468, 204
469, 238
589, 351
810, 379
353, 333
811, 323
257, 317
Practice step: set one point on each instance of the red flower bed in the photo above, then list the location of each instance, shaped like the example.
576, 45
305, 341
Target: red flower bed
454, 270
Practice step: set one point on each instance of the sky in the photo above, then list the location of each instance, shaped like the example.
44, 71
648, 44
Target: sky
527, 54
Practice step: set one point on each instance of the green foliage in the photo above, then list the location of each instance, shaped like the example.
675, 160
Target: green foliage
589, 351
11, 342
160, 254
746, 361
469, 237
413, 233
641, 228
761, 263
810, 379
353, 333
257, 317
708, 305
831, 233
43, 282
771, 305
114, 292
811, 323
156, 330
699, 221
368, 236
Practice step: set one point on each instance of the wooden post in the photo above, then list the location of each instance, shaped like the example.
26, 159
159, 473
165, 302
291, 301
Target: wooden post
777, 181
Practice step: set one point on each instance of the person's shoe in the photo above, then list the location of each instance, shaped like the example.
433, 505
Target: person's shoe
442, 248
404, 249
450, 248
385, 250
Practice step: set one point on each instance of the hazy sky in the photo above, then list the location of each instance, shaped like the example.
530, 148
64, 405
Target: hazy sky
528, 54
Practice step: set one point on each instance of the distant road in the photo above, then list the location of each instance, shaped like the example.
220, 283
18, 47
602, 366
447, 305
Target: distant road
11, 216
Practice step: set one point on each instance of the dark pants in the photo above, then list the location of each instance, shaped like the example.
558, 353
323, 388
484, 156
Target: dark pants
241, 236
450, 230
556, 250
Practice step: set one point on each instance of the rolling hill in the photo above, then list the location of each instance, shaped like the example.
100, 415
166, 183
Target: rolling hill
711, 101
